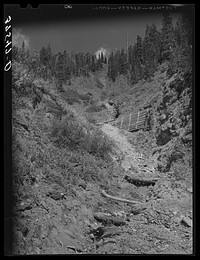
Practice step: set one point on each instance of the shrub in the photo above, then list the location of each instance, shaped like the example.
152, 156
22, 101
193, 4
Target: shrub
85, 97
104, 94
91, 119
66, 133
179, 171
20, 75
70, 133
71, 96
99, 84
95, 108
98, 144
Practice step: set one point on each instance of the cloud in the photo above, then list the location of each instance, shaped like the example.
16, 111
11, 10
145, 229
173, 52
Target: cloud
18, 37
105, 52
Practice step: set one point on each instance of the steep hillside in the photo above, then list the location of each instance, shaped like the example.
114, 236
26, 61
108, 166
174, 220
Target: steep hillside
168, 100
81, 188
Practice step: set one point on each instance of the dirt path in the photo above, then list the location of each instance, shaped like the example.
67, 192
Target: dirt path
132, 162
129, 155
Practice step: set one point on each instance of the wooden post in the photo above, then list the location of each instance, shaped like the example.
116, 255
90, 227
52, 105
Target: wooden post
138, 119
121, 122
115, 122
129, 121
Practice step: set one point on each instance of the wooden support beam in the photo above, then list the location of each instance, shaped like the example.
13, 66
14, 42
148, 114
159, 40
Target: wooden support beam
140, 182
138, 118
140, 123
121, 122
132, 121
135, 128
119, 199
129, 121
142, 120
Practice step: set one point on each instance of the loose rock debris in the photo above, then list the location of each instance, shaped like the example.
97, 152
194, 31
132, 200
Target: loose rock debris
186, 221
108, 219
118, 199
140, 182
92, 211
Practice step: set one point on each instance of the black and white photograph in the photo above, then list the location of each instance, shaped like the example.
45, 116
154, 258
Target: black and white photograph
101, 138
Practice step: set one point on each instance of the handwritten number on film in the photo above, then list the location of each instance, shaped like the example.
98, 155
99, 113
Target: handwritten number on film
8, 42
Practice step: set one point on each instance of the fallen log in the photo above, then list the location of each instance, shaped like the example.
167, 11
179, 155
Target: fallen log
108, 219
119, 199
103, 232
140, 182
138, 209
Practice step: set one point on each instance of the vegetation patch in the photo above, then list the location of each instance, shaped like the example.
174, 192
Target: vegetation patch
95, 108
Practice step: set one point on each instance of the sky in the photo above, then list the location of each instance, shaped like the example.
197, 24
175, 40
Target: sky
86, 36
80, 28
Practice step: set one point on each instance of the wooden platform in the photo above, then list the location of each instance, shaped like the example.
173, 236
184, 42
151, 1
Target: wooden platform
132, 122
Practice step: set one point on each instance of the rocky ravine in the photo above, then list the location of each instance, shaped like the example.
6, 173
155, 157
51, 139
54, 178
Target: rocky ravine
131, 208
93, 221
130, 158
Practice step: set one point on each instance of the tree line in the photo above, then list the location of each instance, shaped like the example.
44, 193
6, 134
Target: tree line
172, 44
61, 66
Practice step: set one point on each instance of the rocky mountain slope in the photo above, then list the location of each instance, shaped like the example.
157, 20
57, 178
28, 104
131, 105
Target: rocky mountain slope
81, 188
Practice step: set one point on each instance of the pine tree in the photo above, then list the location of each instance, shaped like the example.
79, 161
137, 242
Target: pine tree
177, 33
102, 57
43, 56
112, 66
66, 67
21, 53
49, 61
98, 63
139, 55
72, 64
67, 75
49, 54
123, 66
44, 61
93, 63
182, 54
15, 53
138, 66
167, 37
151, 50
60, 71
130, 56
132, 63
116, 62
88, 62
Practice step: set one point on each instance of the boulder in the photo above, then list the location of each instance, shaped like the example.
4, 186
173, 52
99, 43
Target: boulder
186, 221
